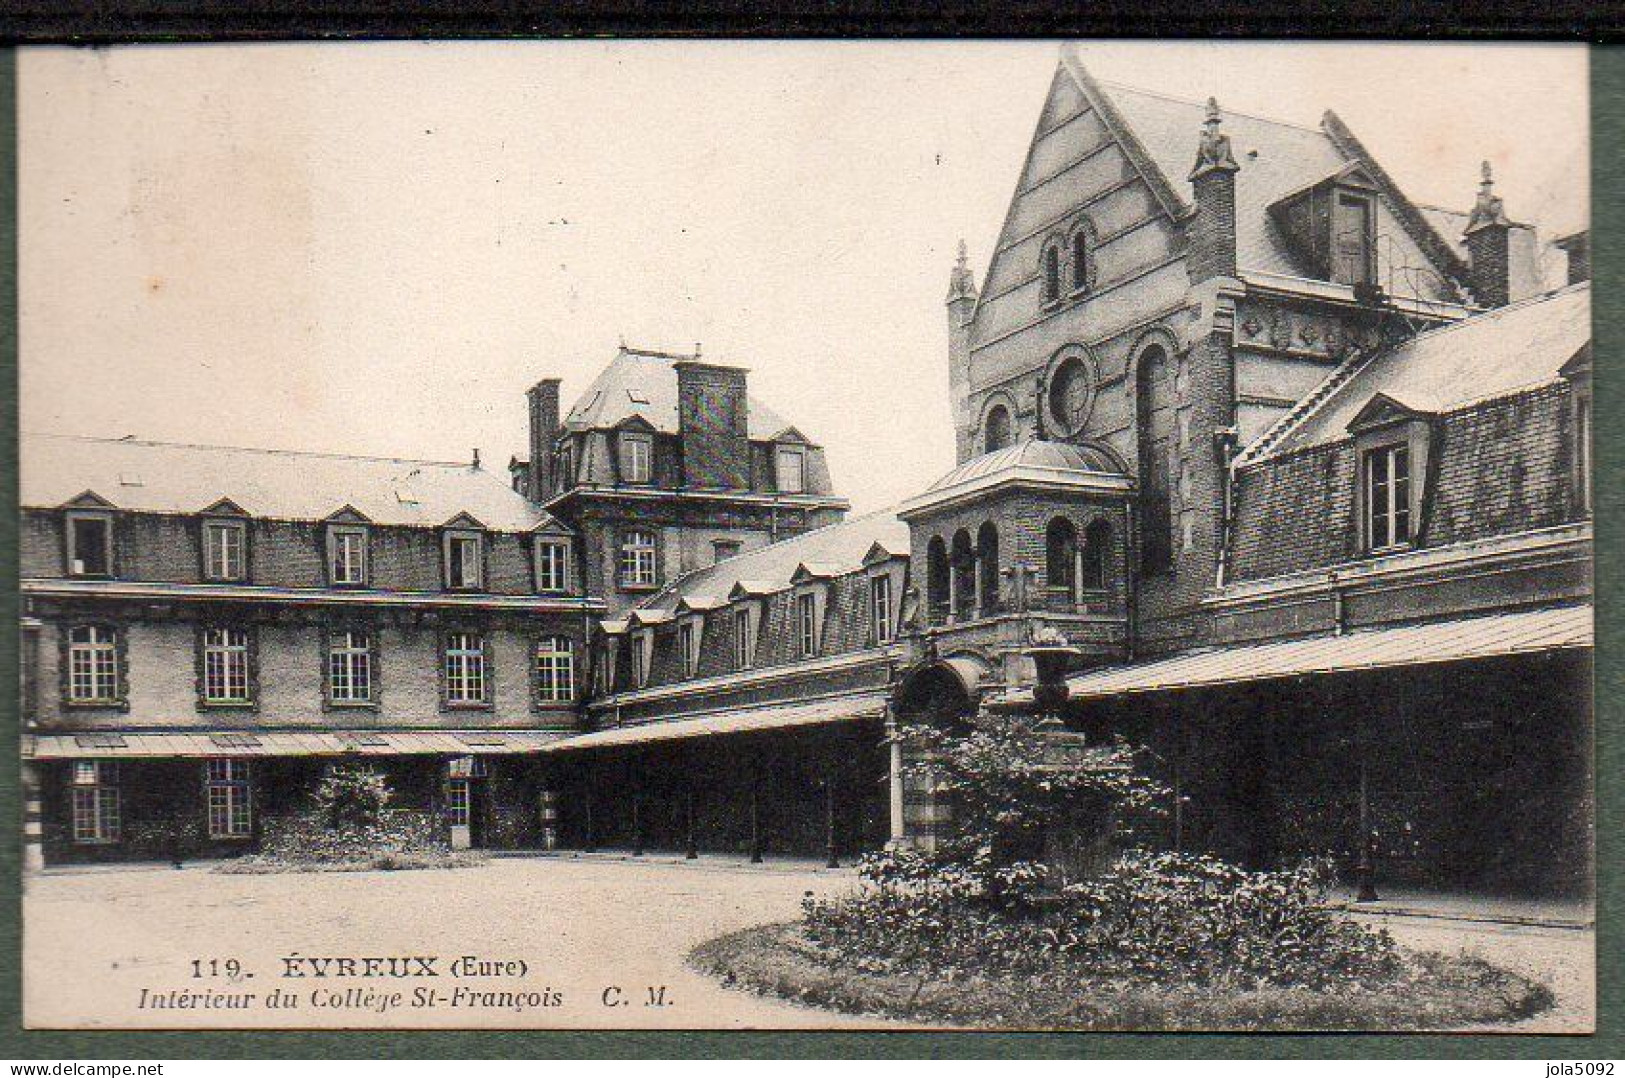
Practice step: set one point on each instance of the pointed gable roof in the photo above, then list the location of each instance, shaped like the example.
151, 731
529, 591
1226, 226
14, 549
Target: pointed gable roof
642, 384
1159, 135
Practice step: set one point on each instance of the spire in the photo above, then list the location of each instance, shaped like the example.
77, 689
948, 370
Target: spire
961, 283
1489, 210
1213, 152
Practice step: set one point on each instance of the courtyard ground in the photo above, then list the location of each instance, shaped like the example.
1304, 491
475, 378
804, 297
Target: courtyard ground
600, 937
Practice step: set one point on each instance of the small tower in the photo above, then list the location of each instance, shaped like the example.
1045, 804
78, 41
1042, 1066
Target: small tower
1488, 236
1213, 183
961, 304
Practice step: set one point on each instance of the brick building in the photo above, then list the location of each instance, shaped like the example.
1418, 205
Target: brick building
1296, 469
205, 628
665, 465
1284, 458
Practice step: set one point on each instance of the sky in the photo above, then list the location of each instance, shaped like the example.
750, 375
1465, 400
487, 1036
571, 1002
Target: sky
377, 247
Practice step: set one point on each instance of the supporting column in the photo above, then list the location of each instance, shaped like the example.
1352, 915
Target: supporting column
894, 780
587, 840
637, 819
692, 851
755, 812
1365, 871
33, 821
833, 860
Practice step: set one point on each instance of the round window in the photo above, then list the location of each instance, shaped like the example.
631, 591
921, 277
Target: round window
1071, 395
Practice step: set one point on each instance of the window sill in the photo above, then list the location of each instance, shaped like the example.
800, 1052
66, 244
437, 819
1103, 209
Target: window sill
458, 705
351, 705
624, 586
96, 705
231, 838
227, 705
95, 842
1386, 551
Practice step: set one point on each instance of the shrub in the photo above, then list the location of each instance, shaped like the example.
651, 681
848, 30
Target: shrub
1148, 918
352, 797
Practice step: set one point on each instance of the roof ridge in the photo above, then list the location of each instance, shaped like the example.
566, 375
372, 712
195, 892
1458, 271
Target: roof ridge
1225, 109
268, 451
677, 582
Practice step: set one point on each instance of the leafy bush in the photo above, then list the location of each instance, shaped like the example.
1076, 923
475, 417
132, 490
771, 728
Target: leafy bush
352, 797
1148, 918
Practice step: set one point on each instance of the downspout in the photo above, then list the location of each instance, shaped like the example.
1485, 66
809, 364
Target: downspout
1224, 447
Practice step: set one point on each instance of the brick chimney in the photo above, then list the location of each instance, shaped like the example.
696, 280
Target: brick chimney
712, 423
544, 430
961, 303
1213, 182
1577, 246
1488, 236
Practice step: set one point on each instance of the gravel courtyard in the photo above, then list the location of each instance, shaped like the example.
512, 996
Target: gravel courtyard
599, 939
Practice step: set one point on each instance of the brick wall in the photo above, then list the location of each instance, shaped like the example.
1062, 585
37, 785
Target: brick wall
167, 548
162, 672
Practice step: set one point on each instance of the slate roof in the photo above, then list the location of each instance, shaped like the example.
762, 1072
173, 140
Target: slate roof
165, 477
1290, 158
644, 383
1033, 453
838, 548
1490, 355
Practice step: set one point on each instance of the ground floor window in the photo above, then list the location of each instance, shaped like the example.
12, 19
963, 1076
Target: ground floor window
95, 802
231, 813
457, 810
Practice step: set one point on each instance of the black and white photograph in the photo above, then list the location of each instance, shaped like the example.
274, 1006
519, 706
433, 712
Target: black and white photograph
806, 535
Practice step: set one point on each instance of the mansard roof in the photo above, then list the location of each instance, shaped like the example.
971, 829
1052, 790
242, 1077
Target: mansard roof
643, 383
835, 549
1490, 355
165, 477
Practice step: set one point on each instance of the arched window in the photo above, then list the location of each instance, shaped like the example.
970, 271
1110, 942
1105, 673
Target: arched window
987, 567
1154, 420
1080, 259
1097, 538
936, 579
1061, 550
996, 431
963, 561
1052, 272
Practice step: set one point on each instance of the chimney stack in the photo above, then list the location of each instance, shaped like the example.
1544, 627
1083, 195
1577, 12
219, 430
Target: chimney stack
1488, 236
713, 425
1213, 180
544, 431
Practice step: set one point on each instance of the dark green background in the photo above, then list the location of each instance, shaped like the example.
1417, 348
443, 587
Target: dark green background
1608, 224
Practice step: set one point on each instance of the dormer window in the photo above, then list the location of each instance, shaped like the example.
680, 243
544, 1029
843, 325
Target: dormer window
637, 457
1392, 445
90, 544
552, 565
790, 466
744, 636
688, 642
1387, 497
347, 555
225, 550
1353, 236
464, 556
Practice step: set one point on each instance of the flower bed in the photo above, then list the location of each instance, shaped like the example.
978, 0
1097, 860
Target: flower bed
1153, 942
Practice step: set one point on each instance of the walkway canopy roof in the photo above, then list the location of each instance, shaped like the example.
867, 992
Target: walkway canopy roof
118, 745
748, 720
1408, 645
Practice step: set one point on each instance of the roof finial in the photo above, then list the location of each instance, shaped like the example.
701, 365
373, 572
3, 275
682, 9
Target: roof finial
961, 283
476, 458
1489, 209
1213, 151
696, 349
